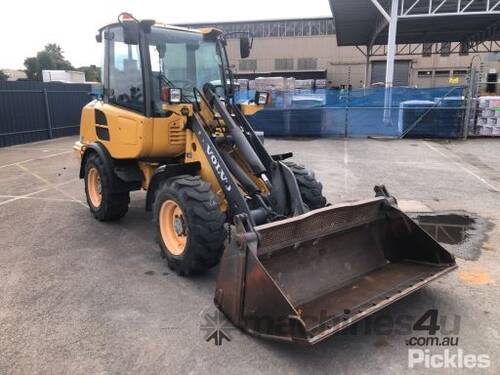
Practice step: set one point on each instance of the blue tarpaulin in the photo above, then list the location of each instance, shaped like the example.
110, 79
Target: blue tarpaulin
361, 112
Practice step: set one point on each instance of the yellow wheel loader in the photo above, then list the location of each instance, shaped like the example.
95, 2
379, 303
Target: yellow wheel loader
292, 267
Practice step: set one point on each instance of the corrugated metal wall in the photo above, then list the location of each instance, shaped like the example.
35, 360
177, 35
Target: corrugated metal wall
401, 72
34, 111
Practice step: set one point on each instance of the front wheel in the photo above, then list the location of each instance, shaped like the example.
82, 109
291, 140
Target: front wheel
310, 188
190, 224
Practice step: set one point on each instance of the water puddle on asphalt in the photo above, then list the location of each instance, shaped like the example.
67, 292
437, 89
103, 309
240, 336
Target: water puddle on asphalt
461, 233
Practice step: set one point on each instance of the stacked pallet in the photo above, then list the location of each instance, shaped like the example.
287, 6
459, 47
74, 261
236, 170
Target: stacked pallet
242, 83
270, 83
488, 120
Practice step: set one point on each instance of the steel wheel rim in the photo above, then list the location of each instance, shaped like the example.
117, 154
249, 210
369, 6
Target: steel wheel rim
173, 227
94, 187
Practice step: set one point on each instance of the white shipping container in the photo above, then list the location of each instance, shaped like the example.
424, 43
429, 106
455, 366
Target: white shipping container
496, 130
68, 76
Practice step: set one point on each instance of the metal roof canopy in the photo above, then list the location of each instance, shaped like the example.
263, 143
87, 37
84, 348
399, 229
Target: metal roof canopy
364, 22
370, 22
377, 22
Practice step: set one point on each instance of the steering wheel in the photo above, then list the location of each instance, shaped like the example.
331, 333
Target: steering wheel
124, 98
185, 84
135, 96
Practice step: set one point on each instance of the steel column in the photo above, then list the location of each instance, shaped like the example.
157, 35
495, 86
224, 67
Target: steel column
367, 67
391, 44
47, 111
391, 57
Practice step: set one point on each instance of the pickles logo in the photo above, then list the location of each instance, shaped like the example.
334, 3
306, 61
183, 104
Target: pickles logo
215, 162
447, 359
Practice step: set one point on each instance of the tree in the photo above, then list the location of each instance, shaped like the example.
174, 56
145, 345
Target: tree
31, 64
50, 58
3, 76
92, 73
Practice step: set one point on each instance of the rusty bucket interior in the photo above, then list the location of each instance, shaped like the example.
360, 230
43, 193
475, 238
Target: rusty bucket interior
305, 278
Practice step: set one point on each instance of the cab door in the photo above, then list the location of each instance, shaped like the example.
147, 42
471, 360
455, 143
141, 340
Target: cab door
124, 98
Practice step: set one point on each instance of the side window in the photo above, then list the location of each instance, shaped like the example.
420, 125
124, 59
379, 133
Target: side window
176, 62
125, 73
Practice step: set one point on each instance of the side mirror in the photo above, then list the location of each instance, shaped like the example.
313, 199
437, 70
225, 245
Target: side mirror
244, 47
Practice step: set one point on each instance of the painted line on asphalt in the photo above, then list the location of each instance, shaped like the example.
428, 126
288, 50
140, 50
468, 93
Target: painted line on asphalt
49, 183
37, 198
23, 196
462, 166
43, 190
33, 159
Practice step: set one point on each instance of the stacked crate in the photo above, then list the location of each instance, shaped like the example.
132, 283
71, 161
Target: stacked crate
488, 120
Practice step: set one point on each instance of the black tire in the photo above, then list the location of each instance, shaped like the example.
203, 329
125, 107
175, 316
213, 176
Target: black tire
202, 218
113, 206
311, 189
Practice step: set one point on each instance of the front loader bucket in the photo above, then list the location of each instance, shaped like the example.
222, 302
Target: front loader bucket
305, 278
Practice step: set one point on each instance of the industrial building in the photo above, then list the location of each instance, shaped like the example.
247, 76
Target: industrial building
308, 49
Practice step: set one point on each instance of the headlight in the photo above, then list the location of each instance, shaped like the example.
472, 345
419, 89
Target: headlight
175, 96
171, 95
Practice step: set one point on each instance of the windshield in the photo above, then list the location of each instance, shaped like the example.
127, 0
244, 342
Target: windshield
184, 58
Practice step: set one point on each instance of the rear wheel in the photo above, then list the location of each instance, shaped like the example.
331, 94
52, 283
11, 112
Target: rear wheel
103, 203
311, 189
190, 224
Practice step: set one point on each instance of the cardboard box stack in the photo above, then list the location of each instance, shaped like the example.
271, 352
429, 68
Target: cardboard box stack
304, 83
320, 83
270, 84
243, 83
488, 120
290, 84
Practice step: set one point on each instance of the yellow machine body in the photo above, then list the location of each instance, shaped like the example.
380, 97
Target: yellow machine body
131, 135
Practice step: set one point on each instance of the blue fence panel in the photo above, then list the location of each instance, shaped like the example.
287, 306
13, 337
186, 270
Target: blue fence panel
27, 106
22, 117
435, 112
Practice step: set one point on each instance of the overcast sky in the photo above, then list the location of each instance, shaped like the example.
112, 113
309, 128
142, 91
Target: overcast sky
26, 26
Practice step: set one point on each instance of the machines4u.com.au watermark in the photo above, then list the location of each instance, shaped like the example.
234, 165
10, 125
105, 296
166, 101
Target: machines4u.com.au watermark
441, 352
433, 340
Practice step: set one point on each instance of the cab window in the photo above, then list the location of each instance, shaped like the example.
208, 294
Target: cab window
125, 73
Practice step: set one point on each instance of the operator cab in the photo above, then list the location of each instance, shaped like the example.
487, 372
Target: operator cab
148, 65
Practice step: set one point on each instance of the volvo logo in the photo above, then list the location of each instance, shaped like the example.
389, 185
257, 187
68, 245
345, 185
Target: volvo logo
218, 168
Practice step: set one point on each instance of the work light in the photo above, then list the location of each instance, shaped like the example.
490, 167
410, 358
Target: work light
262, 98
